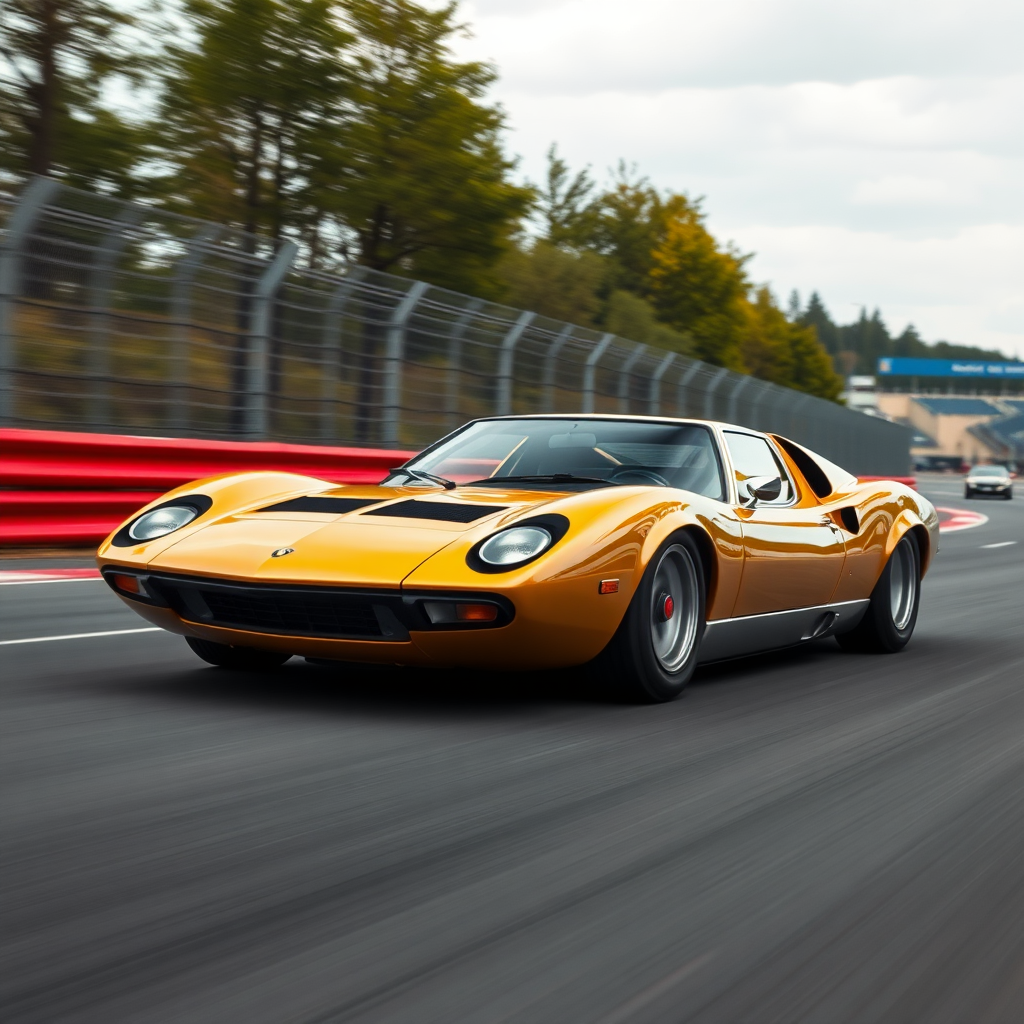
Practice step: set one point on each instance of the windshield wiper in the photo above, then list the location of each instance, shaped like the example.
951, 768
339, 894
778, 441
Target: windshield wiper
540, 478
420, 474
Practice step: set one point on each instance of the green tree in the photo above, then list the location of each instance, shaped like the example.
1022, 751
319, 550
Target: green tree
553, 282
565, 204
56, 56
423, 187
699, 288
630, 316
249, 113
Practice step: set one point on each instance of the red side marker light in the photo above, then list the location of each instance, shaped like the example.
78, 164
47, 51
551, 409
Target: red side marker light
608, 587
129, 584
476, 612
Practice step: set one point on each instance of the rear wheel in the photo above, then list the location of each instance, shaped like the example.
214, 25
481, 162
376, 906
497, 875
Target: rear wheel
889, 622
654, 651
250, 659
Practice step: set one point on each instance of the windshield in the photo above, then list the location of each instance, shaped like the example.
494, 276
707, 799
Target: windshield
995, 471
575, 453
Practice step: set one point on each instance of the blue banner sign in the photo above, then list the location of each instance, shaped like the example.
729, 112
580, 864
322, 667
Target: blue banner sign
898, 367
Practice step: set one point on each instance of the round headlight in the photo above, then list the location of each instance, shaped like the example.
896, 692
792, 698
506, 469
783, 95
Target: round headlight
519, 544
161, 521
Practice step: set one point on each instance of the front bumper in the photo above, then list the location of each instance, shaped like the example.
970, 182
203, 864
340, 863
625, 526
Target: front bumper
530, 627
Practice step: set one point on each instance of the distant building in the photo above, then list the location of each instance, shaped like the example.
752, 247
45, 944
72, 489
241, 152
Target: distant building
952, 430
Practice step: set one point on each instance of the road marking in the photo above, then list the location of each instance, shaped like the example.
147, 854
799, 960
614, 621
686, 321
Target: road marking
19, 577
31, 583
960, 519
80, 636
1001, 544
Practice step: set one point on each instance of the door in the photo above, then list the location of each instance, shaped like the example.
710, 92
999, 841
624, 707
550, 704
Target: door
793, 556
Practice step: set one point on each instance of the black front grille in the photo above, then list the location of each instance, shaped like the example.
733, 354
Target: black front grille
294, 611
318, 503
285, 612
441, 511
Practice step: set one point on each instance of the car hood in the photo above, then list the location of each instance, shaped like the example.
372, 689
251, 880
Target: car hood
377, 544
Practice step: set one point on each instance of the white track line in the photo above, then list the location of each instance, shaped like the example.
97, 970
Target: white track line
80, 636
56, 579
1001, 544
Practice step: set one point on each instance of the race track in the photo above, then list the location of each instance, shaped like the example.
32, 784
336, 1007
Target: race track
808, 836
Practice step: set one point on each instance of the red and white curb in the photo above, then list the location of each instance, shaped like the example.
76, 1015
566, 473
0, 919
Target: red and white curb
19, 577
959, 519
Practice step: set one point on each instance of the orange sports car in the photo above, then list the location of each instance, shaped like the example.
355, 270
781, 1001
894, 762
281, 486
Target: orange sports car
641, 546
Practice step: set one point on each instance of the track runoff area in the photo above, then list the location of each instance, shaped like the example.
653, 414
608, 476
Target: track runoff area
809, 835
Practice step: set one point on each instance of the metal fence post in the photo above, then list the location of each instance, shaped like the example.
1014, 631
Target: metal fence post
709, 395
505, 360
393, 357
624, 375
257, 382
734, 400
37, 194
683, 384
101, 342
549, 367
459, 328
181, 311
590, 371
654, 394
330, 340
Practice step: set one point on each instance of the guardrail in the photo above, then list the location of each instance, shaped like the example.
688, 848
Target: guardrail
69, 489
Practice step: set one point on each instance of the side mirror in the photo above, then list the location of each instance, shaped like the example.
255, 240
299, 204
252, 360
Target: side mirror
760, 488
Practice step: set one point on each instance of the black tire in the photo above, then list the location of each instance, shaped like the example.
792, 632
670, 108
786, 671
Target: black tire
249, 659
652, 655
889, 622
1009, 494
968, 493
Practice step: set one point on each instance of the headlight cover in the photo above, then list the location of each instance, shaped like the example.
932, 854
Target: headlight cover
515, 546
161, 521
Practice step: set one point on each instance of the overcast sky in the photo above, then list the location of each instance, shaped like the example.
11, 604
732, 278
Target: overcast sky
871, 149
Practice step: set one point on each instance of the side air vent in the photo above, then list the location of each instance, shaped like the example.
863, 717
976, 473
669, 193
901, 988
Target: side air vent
849, 519
441, 511
314, 503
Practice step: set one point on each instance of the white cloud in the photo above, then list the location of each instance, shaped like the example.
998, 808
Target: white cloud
827, 138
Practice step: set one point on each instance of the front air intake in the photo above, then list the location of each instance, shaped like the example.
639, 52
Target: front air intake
439, 511
319, 503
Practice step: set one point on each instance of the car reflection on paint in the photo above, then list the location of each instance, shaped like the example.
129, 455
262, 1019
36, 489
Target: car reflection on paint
994, 480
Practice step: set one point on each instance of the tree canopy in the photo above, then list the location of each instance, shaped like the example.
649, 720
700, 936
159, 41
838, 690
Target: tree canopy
352, 128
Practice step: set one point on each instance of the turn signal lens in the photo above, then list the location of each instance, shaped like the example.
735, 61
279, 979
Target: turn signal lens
519, 544
608, 587
129, 584
476, 612
450, 613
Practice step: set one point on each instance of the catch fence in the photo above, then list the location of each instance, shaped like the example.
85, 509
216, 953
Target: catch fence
121, 317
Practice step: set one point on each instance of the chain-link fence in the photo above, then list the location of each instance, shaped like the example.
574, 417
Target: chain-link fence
118, 316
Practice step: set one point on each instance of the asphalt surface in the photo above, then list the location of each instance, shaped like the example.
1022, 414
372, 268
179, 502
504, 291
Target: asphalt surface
807, 836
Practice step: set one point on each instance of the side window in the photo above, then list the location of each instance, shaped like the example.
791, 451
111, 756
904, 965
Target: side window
753, 456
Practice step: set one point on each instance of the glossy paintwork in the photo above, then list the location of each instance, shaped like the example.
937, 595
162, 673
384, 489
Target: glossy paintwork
763, 559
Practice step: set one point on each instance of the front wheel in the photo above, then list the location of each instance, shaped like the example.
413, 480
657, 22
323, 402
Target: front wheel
249, 659
889, 622
968, 493
654, 651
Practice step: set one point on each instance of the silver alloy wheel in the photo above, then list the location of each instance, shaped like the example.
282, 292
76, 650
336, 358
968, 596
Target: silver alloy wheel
902, 585
674, 635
